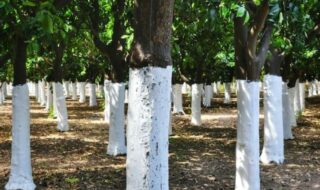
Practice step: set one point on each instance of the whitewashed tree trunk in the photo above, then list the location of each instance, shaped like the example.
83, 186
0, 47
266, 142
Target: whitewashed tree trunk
93, 95
293, 121
4, 87
208, 94
287, 111
273, 147
20, 170
116, 145
184, 88
148, 120
82, 92
74, 91
318, 87
196, 104
49, 96
61, 107
9, 89
66, 88
126, 100
302, 96
1, 96
177, 99
107, 101
314, 88
227, 92
43, 93
297, 105
310, 90
247, 148
36, 90
214, 88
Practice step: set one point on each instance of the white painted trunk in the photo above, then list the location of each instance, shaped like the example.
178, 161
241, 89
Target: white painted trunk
116, 145
49, 97
177, 99
208, 94
1, 96
93, 95
43, 93
66, 88
302, 96
273, 147
107, 101
196, 104
9, 89
74, 91
148, 120
247, 148
310, 89
4, 87
36, 91
20, 170
227, 93
61, 107
82, 92
214, 88
287, 111
297, 104
318, 87
314, 88
184, 88
126, 100
292, 115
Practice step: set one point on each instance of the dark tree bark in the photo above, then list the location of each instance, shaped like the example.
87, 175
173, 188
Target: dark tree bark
273, 65
57, 64
152, 34
19, 61
248, 61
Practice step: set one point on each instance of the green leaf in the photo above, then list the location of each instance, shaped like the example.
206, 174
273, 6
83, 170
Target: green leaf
28, 3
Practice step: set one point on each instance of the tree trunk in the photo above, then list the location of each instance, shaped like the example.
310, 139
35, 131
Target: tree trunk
196, 104
292, 92
43, 93
116, 145
149, 96
247, 148
227, 93
36, 91
82, 92
74, 91
297, 104
286, 112
93, 95
20, 170
61, 109
49, 96
107, 108
208, 94
302, 95
273, 147
66, 87
177, 99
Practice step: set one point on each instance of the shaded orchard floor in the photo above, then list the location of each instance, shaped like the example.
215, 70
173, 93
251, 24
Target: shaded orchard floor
200, 157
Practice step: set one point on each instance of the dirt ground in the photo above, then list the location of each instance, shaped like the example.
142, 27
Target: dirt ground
200, 157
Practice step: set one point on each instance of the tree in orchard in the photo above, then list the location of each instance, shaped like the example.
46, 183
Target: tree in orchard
249, 21
109, 28
149, 96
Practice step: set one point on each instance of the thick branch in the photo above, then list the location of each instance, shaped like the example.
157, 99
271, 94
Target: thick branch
257, 26
265, 43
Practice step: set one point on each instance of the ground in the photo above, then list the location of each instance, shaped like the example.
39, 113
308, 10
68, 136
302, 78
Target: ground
200, 157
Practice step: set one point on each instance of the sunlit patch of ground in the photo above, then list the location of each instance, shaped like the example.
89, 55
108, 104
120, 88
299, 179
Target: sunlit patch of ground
200, 157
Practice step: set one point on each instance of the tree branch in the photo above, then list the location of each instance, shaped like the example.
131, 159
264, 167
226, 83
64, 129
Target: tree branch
265, 43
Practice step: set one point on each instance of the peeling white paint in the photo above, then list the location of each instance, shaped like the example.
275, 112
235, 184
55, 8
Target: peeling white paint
116, 145
247, 148
273, 147
20, 170
148, 120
